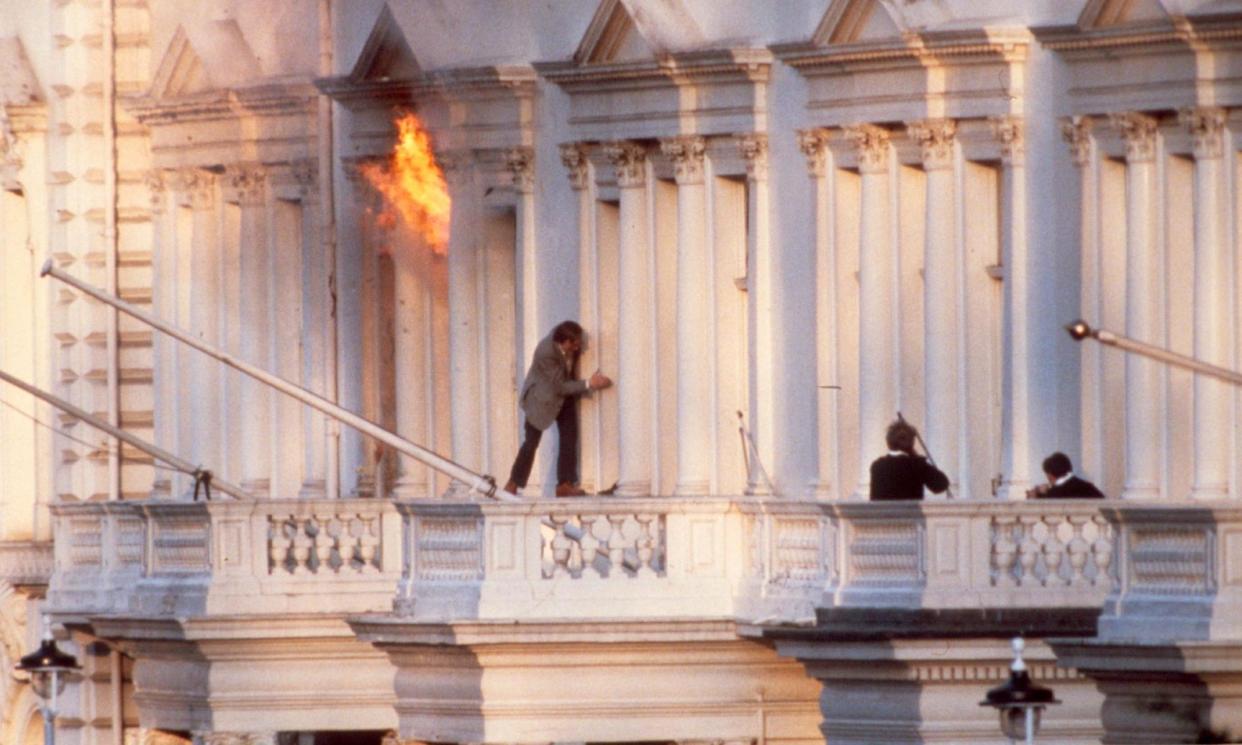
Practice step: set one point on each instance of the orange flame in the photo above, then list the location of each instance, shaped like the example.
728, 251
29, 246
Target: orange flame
412, 183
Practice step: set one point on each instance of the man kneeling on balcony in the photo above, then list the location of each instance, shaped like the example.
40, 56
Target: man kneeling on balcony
902, 474
1062, 483
549, 395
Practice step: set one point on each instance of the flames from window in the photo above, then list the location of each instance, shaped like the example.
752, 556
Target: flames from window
412, 185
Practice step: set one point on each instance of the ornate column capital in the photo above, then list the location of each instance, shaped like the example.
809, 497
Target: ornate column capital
195, 187
574, 157
521, 164
1010, 131
457, 165
630, 161
1207, 125
935, 137
247, 183
871, 144
157, 188
754, 149
687, 154
1076, 130
814, 145
1139, 132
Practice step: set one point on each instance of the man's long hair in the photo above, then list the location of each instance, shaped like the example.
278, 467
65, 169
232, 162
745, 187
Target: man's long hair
566, 330
900, 436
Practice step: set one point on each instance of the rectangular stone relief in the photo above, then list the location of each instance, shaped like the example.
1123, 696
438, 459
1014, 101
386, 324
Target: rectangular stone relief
946, 548
180, 544
448, 548
1170, 560
504, 546
703, 551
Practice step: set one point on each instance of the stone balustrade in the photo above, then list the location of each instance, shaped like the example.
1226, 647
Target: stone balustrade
755, 560
159, 558
1153, 569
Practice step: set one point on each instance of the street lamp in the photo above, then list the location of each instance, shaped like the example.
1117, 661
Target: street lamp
1018, 701
49, 670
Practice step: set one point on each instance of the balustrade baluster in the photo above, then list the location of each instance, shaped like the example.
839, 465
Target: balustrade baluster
1078, 549
1004, 549
589, 543
1054, 553
1028, 550
366, 543
1102, 548
302, 544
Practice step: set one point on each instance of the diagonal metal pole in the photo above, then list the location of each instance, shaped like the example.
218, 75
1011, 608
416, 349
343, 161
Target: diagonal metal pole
1080, 330
198, 472
481, 483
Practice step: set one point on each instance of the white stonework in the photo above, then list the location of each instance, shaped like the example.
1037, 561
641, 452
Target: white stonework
797, 217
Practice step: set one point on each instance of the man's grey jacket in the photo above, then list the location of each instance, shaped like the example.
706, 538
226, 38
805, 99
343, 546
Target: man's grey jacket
548, 384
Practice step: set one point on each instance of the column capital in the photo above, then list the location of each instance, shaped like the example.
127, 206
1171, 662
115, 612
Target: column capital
521, 164
935, 137
195, 187
574, 157
630, 161
456, 165
1139, 132
871, 144
1010, 132
1207, 125
247, 183
687, 154
157, 188
754, 149
814, 145
1076, 130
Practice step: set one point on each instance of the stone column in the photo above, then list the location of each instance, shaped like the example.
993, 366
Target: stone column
463, 279
695, 448
814, 145
1016, 458
200, 430
877, 395
761, 297
942, 420
1212, 322
574, 156
1143, 428
410, 350
1076, 131
634, 378
254, 415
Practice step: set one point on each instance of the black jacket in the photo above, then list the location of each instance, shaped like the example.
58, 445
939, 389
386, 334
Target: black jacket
904, 476
1075, 488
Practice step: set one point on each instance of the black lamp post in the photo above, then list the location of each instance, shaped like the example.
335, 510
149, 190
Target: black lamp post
49, 670
1018, 701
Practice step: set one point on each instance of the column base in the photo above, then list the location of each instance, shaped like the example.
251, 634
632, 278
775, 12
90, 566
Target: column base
259, 488
633, 489
313, 489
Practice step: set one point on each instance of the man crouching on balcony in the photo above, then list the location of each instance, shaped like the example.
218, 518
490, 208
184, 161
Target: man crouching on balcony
902, 474
548, 395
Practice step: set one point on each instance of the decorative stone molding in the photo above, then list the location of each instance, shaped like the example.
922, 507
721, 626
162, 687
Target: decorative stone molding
871, 144
935, 137
25, 563
574, 157
1139, 132
246, 184
326, 543
687, 154
147, 736
1010, 131
629, 159
753, 147
194, 188
520, 161
235, 738
157, 188
814, 145
1076, 130
1207, 125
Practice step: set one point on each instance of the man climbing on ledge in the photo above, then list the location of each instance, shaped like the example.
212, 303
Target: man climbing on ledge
550, 394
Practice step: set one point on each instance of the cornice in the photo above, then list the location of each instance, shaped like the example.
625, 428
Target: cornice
1184, 33
1007, 44
454, 83
278, 99
750, 64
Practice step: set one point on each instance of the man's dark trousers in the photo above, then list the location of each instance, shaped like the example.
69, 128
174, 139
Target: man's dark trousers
566, 457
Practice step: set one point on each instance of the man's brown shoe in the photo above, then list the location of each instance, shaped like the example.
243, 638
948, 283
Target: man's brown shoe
566, 489
512, 488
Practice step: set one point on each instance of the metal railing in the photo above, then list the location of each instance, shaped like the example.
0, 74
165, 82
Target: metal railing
480, 483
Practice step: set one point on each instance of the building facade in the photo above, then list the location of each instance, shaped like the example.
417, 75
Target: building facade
782, 223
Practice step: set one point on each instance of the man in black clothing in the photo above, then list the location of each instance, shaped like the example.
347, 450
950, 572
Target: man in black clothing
901, 474
1062, 483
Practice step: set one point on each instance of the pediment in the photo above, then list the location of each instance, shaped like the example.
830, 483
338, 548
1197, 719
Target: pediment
856, 21
181, 71
1106, 13
613, 37
386, 55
